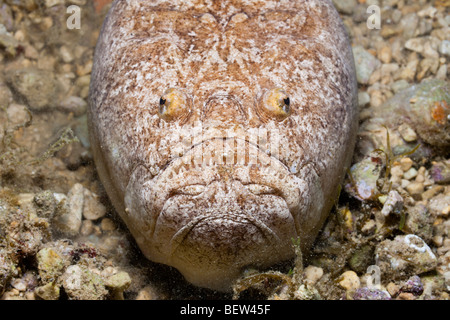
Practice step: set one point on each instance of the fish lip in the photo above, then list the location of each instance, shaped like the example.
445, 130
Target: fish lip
183, 232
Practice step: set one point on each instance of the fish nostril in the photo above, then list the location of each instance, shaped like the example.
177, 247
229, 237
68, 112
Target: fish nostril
224, 107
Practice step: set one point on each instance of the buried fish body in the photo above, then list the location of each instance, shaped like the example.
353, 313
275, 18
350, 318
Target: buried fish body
222, 130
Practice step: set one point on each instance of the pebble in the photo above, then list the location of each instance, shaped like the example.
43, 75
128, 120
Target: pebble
404, 255
410, 174
49, 291
367, 293
87, 228
394, 204
68, 218
392, 289
413, 285
365, 175
407, 133
439, 204
415, 189
345, 6
74, 104
107, 225
406, 164
363, 98
440, 172
385, 54
38, 87
349, 281
312, 274
45, 204
444, 48
80, 283
419, 222
361, 258
19, 284
66, 54
147, 293
365, 63
369, 227
430, 193
93, 208
118, 283
50, 264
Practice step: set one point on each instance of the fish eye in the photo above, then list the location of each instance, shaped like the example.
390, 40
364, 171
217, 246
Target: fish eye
275, 104
173, 105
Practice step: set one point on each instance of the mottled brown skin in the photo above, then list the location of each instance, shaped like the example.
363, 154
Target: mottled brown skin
212, 220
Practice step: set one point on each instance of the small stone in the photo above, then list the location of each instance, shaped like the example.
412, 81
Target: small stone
444, 48
403, 256
87, 227
312, 274
399, 85
66, 54
409, 25
107, 225
385, 54
397, 170
419, 222
445, 211
93, 208
406, 296
147, 293
406, 164
74, 104
407, 133
366, 64
38, 87
392, 288
349, 281
365, 176
19, 284
430, 193
52, 3
362, 258
50, 291
69, 212
80, 283
18, 114
345, 6
363, 98
415, 189
439, 204
393, 204
410, 70
367, 293
45, 203
413, 285
440, 172
118, 283
415, 44
50, 264
83, 70
410, 174
369, 227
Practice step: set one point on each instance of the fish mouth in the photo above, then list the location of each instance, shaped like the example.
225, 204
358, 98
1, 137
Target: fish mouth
230, 185
268, 234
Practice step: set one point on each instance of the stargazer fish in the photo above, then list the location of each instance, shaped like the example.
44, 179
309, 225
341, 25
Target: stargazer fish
222, 130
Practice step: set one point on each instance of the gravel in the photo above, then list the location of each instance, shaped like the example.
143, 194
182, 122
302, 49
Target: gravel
66, 242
